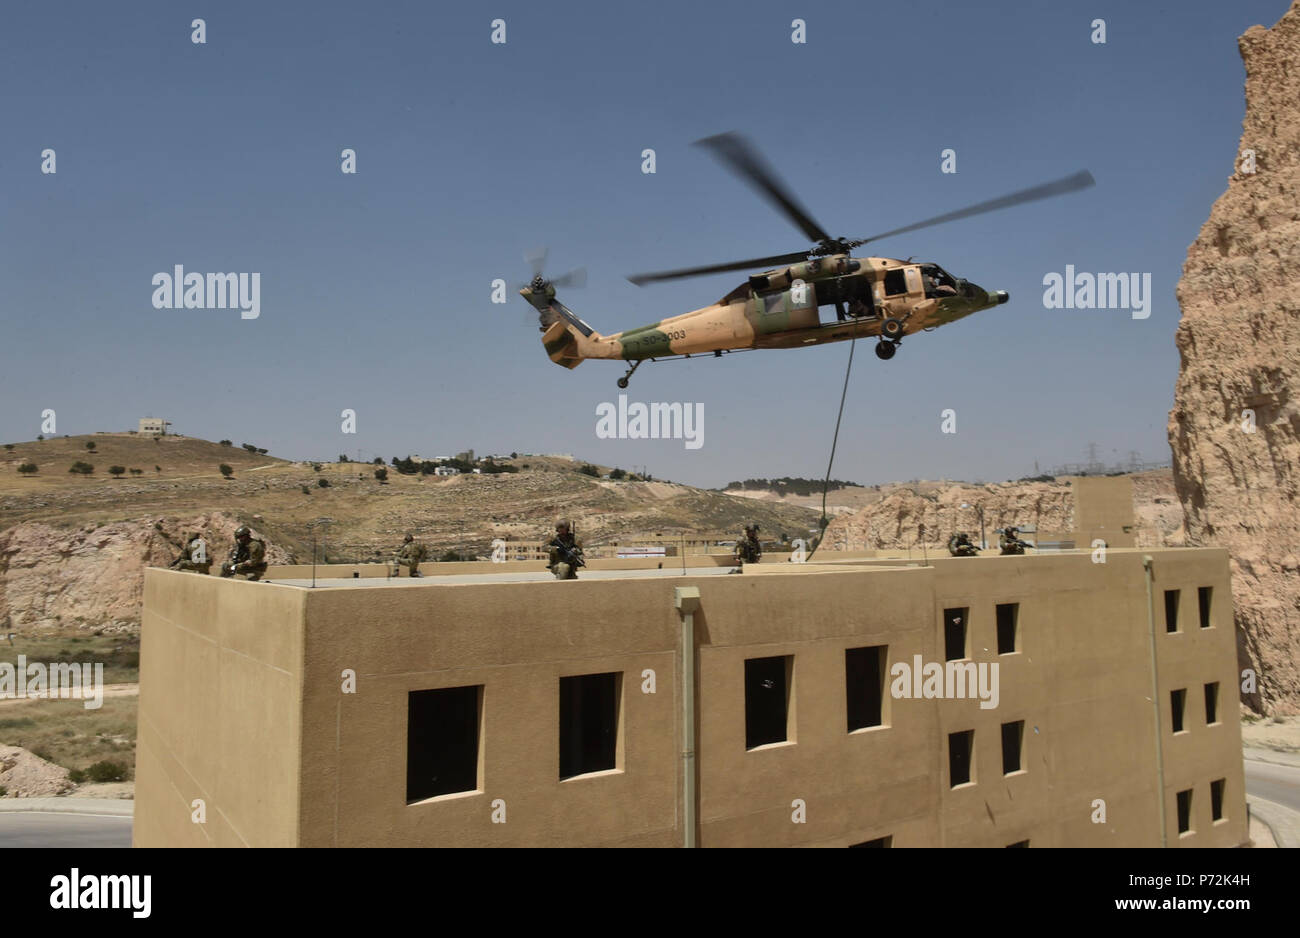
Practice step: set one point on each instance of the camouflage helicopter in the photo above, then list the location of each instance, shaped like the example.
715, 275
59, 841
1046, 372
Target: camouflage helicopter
780, 307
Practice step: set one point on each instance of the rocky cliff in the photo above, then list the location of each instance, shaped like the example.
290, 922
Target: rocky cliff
93, 576
1236, 416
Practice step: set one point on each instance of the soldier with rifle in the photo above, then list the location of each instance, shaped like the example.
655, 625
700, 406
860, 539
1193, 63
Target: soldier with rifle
194, 555
748, 548
959, 545
247, 557
1009, 541
409, 555
564, 552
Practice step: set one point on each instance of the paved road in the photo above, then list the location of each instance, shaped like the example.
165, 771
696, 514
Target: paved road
39, 829
1276, 783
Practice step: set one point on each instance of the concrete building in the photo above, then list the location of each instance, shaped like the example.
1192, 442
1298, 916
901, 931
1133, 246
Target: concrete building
496, 711
154, 425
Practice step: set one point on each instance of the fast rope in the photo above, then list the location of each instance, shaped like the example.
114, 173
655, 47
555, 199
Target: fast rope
834, 442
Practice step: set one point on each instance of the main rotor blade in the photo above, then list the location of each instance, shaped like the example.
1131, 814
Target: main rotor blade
760, 263
1080, 180
574, 278
744, 159
536, 259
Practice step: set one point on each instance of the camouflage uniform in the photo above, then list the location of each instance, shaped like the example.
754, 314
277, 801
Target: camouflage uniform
748, 549
564, 553
409, 555
959, 545
248, 558
1010, 543
189, 560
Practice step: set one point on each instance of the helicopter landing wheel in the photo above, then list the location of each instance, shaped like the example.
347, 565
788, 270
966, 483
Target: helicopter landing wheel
885, 350
622, 382
892, 328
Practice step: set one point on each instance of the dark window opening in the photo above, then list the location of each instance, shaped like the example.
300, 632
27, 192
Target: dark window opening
1212, 703
960, 750
1184, 811
1171, 610
589, 723
766, 700
864, 684
878, 842
1008, 613
442, 728
1013, 735
895, 282
1019, 843
1216, 799
954, 634
1178, 702
1203, 594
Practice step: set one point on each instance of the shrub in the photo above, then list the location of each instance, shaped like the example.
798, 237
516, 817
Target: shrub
117, 471
449, 557
381, 474
136, 472
226, 443
589, 470
90, 445
82, 468
9, 446
76, 776
305, 490
157, 468
617, 474
40, 438
315, 467
27, 468
3, 791
106, 771
343, 457
226, 470
249, 446
262, 450
323, 483
379, 460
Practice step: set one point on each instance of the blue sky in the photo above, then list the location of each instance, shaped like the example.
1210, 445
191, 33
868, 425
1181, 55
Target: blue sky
375, 287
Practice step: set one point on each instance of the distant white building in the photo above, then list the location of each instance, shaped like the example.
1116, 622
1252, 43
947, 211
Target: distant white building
154, 425
446, 471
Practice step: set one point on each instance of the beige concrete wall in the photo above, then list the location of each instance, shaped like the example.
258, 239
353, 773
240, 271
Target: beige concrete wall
1103, 510
220, 712
1080, 680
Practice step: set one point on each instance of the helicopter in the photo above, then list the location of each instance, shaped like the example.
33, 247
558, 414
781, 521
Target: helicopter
780, 308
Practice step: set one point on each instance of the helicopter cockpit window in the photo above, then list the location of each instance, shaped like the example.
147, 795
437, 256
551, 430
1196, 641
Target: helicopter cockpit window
895, 282
938, 282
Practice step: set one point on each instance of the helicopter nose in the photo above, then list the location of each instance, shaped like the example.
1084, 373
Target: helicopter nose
1002, 296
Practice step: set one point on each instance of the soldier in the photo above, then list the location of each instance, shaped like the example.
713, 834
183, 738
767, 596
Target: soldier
409, 555
194, 555
959, 545
564, 552
247, 557
748, 549
1009, 541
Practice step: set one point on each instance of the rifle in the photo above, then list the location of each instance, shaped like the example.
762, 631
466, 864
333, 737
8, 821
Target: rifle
570, 555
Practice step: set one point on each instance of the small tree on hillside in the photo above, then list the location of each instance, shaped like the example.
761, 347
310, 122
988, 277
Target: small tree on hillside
343, 457
40, 438
226, 443
117, 471
617, 474
381, 474
27, 468
226, 470
81, 468
9, 446
589, 470
90, 445
323, 483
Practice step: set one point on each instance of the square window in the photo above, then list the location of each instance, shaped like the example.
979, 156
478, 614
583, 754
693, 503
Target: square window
1171, 610
1216, 799
1178, 704
767, 698
1203, 594
1212, 703
1185, 811
1008, 613
961, 751
589, 723
1013, 735
954, 634
864, 684
442, 741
